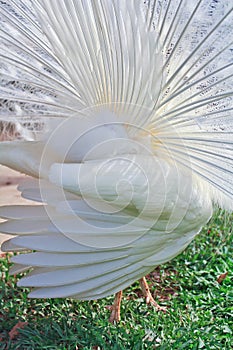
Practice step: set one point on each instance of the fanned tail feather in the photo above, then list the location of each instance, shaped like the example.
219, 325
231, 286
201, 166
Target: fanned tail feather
165, 68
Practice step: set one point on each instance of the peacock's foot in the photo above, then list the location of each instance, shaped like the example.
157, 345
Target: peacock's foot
116, 308
149, 298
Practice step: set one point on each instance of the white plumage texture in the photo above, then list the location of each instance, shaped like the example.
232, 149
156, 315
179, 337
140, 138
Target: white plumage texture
127, 111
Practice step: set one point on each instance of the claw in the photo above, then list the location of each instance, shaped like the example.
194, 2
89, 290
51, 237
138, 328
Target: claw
116, 307
147, 294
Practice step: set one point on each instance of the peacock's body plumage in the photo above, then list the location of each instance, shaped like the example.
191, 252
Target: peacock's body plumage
127, 108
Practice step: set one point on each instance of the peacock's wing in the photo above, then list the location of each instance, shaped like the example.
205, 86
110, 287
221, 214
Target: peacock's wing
88, 249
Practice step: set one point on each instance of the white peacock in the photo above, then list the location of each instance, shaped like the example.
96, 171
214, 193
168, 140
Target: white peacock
130, 107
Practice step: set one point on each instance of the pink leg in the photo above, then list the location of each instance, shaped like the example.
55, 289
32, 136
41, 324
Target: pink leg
116, 308
147, 294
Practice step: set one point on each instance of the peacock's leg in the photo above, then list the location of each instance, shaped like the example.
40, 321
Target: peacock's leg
147, 294
116, 307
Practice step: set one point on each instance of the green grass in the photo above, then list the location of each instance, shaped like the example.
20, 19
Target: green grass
199, 316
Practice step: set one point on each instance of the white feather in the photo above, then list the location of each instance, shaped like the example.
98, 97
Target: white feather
130, 104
